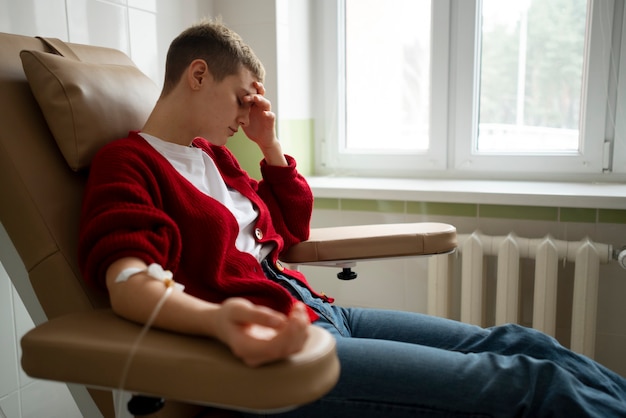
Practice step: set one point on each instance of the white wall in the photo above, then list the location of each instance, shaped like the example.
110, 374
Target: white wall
141, 28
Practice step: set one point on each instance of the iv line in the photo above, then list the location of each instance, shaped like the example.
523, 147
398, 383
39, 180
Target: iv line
135, 346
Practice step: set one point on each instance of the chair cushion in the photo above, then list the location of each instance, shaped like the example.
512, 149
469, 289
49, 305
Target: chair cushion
340, 244
87, 105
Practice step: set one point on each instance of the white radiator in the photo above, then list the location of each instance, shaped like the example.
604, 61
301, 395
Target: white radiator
509, 250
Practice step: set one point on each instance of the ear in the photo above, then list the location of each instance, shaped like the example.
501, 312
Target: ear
198, 74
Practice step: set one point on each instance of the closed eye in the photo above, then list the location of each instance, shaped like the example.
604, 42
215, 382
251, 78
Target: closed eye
243, 104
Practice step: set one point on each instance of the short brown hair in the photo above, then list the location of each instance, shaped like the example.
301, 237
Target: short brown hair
223, 50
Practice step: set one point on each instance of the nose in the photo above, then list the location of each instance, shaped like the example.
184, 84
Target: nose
243, 118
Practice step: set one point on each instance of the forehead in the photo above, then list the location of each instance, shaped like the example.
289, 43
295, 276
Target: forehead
243, 80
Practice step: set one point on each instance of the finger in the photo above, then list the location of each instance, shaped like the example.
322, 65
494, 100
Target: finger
245, 312
294, 337
260, 332
258, 351
295, 333
262, 316
299, 307
259, 101
299, 312
260, 345
260, 88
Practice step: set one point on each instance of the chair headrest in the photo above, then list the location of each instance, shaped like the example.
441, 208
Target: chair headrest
85, 104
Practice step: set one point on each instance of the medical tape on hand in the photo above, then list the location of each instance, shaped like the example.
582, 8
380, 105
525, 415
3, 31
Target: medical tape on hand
154, 270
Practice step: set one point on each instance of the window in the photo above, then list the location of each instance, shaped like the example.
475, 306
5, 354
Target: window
403, 89
531, 73
457, 88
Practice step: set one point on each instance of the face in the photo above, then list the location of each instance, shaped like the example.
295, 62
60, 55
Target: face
225, 111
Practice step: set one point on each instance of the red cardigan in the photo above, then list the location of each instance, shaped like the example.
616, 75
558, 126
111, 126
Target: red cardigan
137, 205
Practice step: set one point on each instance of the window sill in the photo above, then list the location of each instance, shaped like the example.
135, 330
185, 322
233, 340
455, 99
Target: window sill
521, 193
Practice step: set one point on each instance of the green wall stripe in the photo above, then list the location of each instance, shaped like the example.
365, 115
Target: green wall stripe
247, 153
326, 203
539, 213
366, 205
577, 215
612, 216
296, 137
535, 213
445, 209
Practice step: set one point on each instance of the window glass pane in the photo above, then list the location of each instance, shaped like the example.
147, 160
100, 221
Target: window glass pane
387, 75
531, 75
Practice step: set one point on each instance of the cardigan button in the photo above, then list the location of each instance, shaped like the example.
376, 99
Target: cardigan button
280, 266
258, 233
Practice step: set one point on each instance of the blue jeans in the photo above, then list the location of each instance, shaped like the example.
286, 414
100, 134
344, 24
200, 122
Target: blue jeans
402, 364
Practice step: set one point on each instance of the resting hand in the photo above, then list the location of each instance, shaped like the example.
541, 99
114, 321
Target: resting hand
260, 335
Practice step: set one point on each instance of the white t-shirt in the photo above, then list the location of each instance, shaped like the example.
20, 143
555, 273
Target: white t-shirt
199, 169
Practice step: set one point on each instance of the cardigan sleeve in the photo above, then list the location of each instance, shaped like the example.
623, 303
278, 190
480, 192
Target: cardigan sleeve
289, 200
120, 216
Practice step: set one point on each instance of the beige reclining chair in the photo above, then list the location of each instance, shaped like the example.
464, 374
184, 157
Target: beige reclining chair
58, 104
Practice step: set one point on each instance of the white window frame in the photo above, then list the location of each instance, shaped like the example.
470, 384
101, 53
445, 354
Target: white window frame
454, 96
618, 146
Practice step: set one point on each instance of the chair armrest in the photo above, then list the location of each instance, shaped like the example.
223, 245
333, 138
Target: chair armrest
336, 245
92, 348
